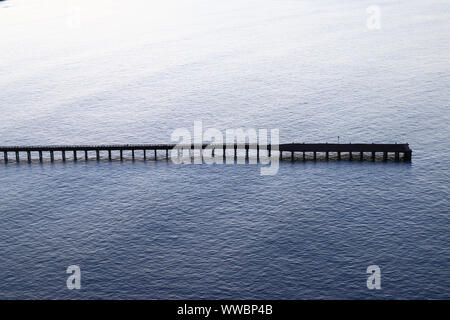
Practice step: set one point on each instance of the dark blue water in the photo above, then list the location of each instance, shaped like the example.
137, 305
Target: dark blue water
157, 230
102, 72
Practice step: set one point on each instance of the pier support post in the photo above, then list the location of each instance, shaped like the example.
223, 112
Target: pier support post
246, 151
327, 155
17, 156
97, 154
86, 156
407, 156
385, 156
292, 155
156, 155
350, 155
269, 150
121, 155
29, 156
167, 154
257, 152
304, 156
109, 155
361, 156
75, 155
373, 155
315, 155
52, 156
235, 151
339, 155
281, 155
132, 154
397, 156
145, 155
40, 155
63, 153
5, 155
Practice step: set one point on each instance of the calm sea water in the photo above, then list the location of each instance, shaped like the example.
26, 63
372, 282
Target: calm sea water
132, 72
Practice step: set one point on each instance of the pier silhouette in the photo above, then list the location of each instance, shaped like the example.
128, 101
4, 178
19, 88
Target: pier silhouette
351, 151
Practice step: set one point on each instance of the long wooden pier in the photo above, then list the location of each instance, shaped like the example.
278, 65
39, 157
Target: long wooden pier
351, 151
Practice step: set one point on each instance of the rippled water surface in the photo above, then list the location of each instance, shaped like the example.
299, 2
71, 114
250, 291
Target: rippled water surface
79, 72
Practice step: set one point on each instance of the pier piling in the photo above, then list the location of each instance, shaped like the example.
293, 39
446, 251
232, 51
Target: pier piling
407, 155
